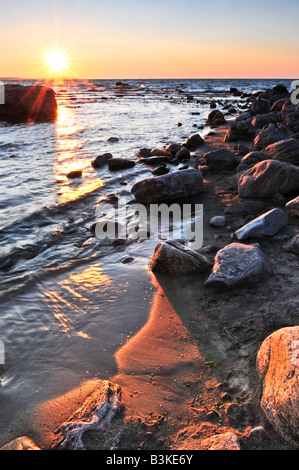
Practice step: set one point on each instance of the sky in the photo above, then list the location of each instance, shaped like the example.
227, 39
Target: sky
151, 38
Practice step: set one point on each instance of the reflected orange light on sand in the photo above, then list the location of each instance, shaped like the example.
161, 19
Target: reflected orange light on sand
73, 296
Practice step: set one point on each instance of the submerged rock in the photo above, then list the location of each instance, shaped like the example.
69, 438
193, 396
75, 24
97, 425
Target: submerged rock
292, 207
265, 225
174, 258
75, 174
21, 443
221, 159
278, 368
285, 151
268, 178
28, 104
94, 415
101, 160
116, 164
238, 264
174, 186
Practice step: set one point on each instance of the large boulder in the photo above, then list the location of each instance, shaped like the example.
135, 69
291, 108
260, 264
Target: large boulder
28, 104
251, 159
278, 368
265, 225
221, 159
260, 106
285, 151
268, 178
174, 258
240, 130
174, 186
238, 264
263, 120
269, 136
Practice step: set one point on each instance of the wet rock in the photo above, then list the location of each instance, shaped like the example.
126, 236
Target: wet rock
268, 178
160, 170
101, 160
21, 443
96, 414
242, 150
260, 106
250, 160
144, 153
240, 130
28, 104
159, 152
221, 159
183, 154
122, 85
263, 120
113, 140
152, 161
172, 149
216, 118
238, 264
278, 368
217, 221
269, 136
292, 207
285, 151
74, 174
227, 441
193, 142
174, 186
173, 258
293, 245
116, 164
278, 105
265, 225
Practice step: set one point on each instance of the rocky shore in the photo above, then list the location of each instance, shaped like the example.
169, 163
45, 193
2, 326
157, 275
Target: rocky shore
216, 366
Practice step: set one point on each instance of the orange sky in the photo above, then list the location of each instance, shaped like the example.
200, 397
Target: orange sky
103, 41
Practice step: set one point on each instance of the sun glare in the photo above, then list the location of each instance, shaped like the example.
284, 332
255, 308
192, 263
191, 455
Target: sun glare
56, 62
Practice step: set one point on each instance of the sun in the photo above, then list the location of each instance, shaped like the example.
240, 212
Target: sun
56, 62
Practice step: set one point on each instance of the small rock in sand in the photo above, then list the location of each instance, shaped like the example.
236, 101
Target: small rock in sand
265, 225
217, 221
238, 264
173, 258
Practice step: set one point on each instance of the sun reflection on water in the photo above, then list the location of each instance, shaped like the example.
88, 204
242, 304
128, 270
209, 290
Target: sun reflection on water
73, 299
69, 157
